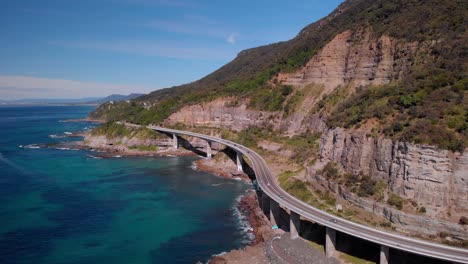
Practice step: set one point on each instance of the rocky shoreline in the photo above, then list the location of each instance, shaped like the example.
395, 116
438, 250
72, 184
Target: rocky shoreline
253, 253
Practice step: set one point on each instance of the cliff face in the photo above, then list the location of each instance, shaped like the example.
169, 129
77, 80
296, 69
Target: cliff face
420, 224
356, 58
434, 178
216, 114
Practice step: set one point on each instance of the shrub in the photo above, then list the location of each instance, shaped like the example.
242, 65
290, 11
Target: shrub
330, 170
367, 186
422, 210
463, 220
351, 179
395, 201
379, 190
286, 90
443, 234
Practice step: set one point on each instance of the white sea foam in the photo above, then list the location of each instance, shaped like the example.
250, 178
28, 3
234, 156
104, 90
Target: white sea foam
194, 166
117, 156
93, 157
57, 136
63, 148
31, 146
243, 222
68, 133
220, 254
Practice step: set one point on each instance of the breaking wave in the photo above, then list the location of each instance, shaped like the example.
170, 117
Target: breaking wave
243, 222
30, 146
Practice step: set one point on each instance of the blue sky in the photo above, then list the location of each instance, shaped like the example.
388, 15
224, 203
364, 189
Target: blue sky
83, 48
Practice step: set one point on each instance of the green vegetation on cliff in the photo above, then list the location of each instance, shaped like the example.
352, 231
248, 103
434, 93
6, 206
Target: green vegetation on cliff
428, 104
111, 130
116, 130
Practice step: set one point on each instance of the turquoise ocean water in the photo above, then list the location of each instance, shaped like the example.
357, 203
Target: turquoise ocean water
64, 206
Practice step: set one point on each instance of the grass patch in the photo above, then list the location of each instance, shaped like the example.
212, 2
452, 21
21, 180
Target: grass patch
284, 177
111, 130
328, 102
352, 259
292, 103
298, 189
144, 148
305, 146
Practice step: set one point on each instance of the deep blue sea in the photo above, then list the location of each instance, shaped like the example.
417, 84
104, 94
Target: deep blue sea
64, 206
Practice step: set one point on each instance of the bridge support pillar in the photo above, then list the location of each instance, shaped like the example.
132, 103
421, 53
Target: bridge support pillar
175, 141
265, 200
208, 150
330, 242
294, 225
239, 161
274, 213
384, 254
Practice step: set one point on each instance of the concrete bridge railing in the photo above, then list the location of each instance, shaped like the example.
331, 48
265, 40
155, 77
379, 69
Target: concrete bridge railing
272, 197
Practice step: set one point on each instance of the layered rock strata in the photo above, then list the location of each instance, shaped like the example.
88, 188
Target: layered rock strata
357, 58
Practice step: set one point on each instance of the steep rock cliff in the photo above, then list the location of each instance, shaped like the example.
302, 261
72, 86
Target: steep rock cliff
438, 179
434, 178
219, 114
405, 222
354, 57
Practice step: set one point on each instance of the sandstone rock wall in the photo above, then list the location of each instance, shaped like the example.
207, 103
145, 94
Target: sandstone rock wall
216, 114
437, 179
357, 58
420, 224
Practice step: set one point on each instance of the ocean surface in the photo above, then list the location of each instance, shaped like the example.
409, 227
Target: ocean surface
67, 206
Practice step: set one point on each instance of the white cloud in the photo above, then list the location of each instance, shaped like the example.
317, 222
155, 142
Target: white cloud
231, 39
18, 87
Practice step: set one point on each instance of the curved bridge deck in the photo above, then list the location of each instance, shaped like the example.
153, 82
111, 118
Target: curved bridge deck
277, 196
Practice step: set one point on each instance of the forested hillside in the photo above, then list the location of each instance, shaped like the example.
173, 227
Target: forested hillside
427, 104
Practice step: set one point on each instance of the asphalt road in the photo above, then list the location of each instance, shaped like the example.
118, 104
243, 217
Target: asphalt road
269, 186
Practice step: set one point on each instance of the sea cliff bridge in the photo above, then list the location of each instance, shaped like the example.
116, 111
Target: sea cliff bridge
272, 196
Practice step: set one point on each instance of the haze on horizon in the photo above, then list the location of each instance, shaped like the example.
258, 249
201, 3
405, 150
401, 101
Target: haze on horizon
74, 49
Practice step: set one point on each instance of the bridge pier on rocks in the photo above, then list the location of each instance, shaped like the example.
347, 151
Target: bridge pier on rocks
330, 242
265, 204
239, 161
175, 141
208, 150
274, 213
294, 224
384, 250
